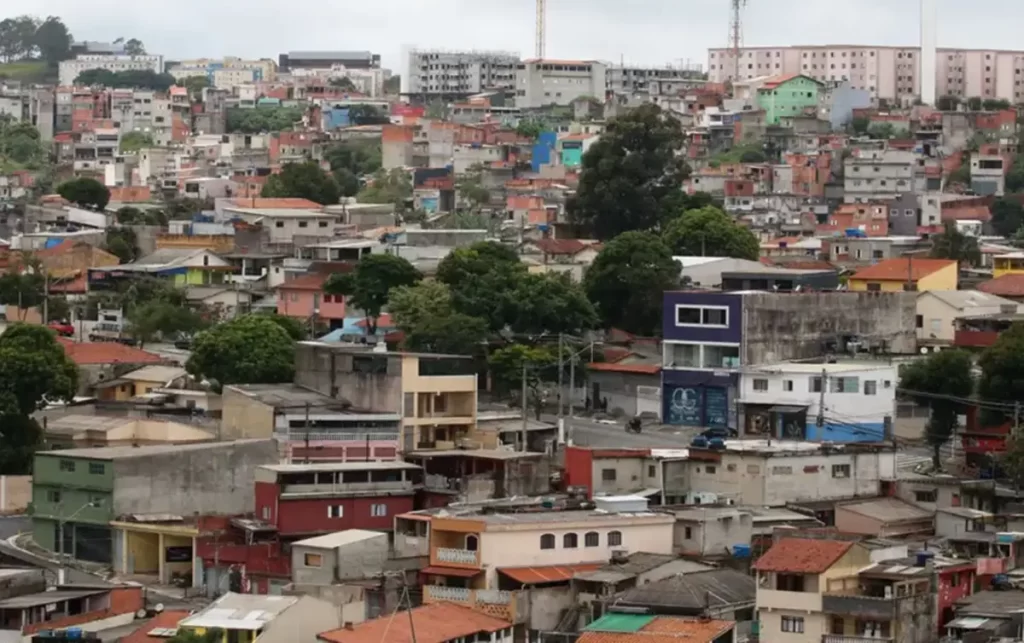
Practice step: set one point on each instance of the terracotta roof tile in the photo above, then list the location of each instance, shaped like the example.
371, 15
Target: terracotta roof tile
86, 353
547, 574
434, 623
665, 629
166, 620
644, 369
1005, 286
898, 269
802, 556
277, 204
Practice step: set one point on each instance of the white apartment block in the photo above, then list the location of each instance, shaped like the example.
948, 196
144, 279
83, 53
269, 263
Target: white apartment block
656, 81
541, 82
887, 73
70, 69
226, 73
440, 73
878, 175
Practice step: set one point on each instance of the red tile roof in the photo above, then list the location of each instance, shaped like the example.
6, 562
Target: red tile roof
563, 246
384, 321
665, 629
899, 268
802, 556
1005, 286
277, 204
614, 354
548, 574
313, 281
645, 369
87, 353
166, 620
434, 623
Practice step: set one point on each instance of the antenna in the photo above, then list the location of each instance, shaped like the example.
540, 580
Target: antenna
541, 37
736, 35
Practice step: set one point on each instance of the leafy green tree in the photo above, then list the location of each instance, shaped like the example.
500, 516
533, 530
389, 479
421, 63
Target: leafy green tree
941, 380
135, 141
947, 103
974, 103
1002, 374
17, 38
134, 47
123, 242
860, 125
162, 319
303, 181
481, 278
995, 104
34, 369
953, 244
195, 85
471, 190
295, 328
252, 349
393, 186
425, 314
632, 177
85, 192
53, 40
23, 290
263, 119
627, 279
20, 144
367, 286
962, 174
129, 215
348, 183
710, 232
1007, 216
359, 157
550, 303
529, 128
882, 131
393, 85
1011, 461
131, 79
367, 115
507, 365
345, 84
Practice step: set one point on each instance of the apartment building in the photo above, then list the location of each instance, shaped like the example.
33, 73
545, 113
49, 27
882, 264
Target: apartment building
438, 73
326, 59
69, 70
227, 72
656, 81
541, 82
879, 175
285, 224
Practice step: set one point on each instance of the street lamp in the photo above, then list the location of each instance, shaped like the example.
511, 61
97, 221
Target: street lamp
62, 572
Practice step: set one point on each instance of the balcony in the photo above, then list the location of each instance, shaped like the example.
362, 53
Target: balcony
328, 490
794, 601
459, 556
975, 338
501, 604
840, 638
862, 607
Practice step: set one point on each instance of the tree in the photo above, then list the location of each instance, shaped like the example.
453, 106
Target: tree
124, 243
253, 349
348, 183
1015, 177
550, 303
974, 103
129, 215
627, 279
1002, 375
860, 125
507, 365
632, 177
710, 232
20, 144
882, 131
344, 83
134, 141
18, 38
367, 287
130, 79
359, 157
22, 290
393, 85
953, 244
303, 181
1007, 216
367, 115
947, 103
53, 40
295, 328
134, 47
162, 319
995, 104
263, 119
194, 85
394, 186
34, 370
753, 156
425, 314
481, 278
471, 190
530, 128
942, 380
85, 192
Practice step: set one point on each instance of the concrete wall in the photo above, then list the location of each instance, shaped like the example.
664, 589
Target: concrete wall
621, 391
714, 536
302, 621
329, 371
349, 599
214, 479
779, 326
15, 494
547, 606
244, 417
944, 493
625, 474
355, 561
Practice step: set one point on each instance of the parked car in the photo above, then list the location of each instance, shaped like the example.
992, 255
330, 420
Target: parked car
63, 328
718, 432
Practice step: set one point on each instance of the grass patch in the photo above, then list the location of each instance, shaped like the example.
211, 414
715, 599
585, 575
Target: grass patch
25, 70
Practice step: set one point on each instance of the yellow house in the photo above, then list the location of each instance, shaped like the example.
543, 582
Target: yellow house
1008, 264
907, 273
139, 382
438, 402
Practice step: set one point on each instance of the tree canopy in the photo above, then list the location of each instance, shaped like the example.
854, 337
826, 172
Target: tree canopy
34, 369
22, 290
367, 286
394, 186
1002, 374
262, 119
551, 303
367, 115
939, 380
303, 181
130, 79
425, 314
955, 245
20, 144
251, 349
162, 319
710, 232
507, 365
481, 278
85, 192
1007, 216
632, 177
627, 279
26, 37
135, 141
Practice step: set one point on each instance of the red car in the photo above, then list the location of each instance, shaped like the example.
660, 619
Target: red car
62, 328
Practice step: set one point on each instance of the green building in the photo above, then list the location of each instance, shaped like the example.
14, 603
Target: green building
781, 96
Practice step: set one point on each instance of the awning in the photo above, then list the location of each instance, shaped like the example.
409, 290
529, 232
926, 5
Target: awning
437, 570
970, 623
788, 409
550, 574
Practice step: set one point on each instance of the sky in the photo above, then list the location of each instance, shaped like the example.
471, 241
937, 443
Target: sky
650, 32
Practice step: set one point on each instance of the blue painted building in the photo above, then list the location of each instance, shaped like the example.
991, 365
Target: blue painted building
544, 150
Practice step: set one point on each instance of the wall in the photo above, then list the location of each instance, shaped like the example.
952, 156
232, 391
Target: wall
714, 535
547, 606
214, 479
243, 416
309, 516
15, 493
947, 278
329, 372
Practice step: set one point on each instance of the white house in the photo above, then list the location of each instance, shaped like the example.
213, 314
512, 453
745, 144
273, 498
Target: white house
938, 309
843, 402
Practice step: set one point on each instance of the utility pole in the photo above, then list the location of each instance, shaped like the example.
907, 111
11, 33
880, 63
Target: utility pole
561, 393
820, 423
307, 432
46, 297
526, 410
61, 571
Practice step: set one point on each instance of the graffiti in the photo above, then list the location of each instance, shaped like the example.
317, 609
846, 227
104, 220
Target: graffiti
684, 406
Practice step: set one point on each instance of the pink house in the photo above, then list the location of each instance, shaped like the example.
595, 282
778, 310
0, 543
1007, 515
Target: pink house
303, 296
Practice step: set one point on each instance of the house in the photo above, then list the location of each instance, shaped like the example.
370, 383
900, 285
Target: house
304, 298
628, 389
286, 224
78, 492
625, 628
83, 431
991, 615
712, 532
1008, 286
100, 362
884, 517
909, 273
1008, 264
90, 608
140, 382
432, 623
182, 266
352, 554
569, 256
155, 629
273, 619
597, 587
791, 95
720, 593
938, 310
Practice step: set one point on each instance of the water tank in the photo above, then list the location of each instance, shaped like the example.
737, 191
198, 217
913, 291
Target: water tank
741, 551
716, 443
923, 557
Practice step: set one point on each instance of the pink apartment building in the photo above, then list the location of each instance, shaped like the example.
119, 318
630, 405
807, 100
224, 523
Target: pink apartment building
304, 296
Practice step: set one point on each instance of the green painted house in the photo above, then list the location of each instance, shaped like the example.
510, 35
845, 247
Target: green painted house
781, 96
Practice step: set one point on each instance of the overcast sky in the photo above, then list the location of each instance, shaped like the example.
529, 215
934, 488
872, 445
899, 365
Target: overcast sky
639, 31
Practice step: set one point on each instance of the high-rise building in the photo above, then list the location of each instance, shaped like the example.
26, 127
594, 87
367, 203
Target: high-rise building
929, 29
436, 74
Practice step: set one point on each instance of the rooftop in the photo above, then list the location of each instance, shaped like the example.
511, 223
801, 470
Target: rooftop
340, 466
241, 611
642, 628
714, 588
802, 556
900, 269
66, 593
340, 538
281, 213
968, 299
91, 353
167, 620
121, 452
812, 368
887, 510
1011, 285
163, 374
434, 623
638, 563
546, 517
287, 395
276, 204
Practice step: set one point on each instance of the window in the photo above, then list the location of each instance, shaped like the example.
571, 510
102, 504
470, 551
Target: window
652, 471
547, 541
870, 387
815, 385
96, 468
787, 385
794, 624
313, 560
570, 541
335, 511
929, 495
720, 356
303, 224
67, 465
717, 316
753, 469
760, 384
378, 510
614, 538
472, 542
710, 468
591, 539
840, 471
688, 534
844, 384
53, 496
782, 471
919, 321
265, 513
608, 475
279, 224
682, 355
323, 224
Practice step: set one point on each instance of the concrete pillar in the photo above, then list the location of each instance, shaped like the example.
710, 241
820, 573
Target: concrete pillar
928, 57
160, 558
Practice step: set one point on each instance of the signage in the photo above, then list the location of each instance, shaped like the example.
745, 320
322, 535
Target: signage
178, 554
684, 406
716, 407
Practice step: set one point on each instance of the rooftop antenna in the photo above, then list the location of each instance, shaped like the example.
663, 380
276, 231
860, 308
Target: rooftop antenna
541, 29
736, 35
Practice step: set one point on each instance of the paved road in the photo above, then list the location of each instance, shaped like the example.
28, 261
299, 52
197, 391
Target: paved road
606, 434
11, 525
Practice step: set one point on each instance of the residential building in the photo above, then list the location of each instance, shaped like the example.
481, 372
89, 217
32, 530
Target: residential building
628, 386
625, 628
273, 619
713, 532
857, 250
310, 499
77, 492
99, 362
849, 401
72, 431
294, 60
570, 256
184, 267
69, 70
141, 382
878, 175
150, 629
439, 73
88, 608
885, 518
718, 593
987, 615
289, 225
785, 96
655, 81
1009, 286
1008, 264
352, 554
433, 623
226, 73
597, 587
541, 82
938, 310
304, 298
436, 395
910, 274
710, 338
988, 174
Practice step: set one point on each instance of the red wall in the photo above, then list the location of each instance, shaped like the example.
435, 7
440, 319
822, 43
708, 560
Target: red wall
307, 516
266, 496
579, 468
948, 595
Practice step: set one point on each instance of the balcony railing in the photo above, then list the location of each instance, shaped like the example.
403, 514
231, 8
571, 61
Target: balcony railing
449, 555
467, 596
865, 607
840, 638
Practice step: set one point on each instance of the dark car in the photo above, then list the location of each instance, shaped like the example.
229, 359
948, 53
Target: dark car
718, 432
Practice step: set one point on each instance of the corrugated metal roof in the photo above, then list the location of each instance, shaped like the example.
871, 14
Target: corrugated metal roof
549, 574
619, 623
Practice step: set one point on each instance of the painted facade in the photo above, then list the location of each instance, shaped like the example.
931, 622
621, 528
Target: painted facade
788, 97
